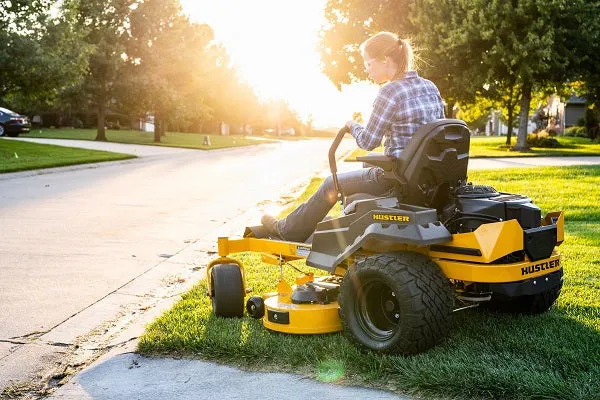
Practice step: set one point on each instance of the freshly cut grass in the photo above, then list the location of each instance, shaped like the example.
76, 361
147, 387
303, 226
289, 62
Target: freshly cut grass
494, 146
486, 356
171, 139
20, 156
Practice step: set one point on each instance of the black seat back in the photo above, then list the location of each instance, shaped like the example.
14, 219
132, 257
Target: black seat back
434, 161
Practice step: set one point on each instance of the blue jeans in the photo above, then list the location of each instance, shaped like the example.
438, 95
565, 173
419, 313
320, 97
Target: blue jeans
302, 222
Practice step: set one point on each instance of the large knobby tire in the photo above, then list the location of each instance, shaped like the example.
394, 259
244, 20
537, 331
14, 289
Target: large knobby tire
527, 304
397, 303
227, 290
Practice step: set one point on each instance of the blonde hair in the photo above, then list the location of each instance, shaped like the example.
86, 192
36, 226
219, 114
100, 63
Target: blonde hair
387, 44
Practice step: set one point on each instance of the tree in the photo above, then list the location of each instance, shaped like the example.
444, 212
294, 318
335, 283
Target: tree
232, 100
168, 63
513, 47
508, 46
350, 22
103, 24
39, 54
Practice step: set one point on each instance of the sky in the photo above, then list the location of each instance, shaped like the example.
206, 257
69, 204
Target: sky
273, 44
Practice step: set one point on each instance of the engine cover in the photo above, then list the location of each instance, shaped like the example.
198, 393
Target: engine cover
477, 204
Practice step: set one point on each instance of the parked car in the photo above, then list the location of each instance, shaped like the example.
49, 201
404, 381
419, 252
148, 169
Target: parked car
12, 124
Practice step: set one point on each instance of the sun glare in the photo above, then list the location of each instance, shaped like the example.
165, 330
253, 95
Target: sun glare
273, 44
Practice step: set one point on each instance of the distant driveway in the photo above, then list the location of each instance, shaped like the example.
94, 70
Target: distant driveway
134, 149
516, 162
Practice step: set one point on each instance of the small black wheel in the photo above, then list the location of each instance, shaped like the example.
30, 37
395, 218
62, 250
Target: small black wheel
255, 306
397, 303
227, 290
527, 304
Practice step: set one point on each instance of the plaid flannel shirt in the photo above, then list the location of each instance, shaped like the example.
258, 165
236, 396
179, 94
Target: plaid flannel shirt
400, 108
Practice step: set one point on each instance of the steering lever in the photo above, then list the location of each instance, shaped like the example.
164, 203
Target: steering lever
332, 162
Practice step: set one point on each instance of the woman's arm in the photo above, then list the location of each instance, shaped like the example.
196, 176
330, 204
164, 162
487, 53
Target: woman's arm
370, 137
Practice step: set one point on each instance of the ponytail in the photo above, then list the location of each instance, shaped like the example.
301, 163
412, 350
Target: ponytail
386, 44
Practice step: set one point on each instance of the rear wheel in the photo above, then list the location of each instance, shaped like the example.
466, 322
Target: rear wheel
227, 290
397, 303
2, 131
527, 304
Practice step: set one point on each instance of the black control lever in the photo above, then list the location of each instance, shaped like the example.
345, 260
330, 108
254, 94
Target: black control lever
332, 163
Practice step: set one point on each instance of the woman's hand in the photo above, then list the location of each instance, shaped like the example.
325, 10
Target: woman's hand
349, 124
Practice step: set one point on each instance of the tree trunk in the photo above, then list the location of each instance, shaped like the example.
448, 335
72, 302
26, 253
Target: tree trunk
510, 110
523, 118
157, 127
101, 134
163, 127
511, 118
450, 109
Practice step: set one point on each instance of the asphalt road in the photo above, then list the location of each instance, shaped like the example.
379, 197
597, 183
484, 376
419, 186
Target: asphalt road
72, 236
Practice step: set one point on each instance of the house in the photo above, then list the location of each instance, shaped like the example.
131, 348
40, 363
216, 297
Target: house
574, 110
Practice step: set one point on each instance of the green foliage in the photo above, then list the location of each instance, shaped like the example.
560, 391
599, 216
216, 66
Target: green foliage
476, 114
542, 139
166, 65
40, 54
576, 131
499, 50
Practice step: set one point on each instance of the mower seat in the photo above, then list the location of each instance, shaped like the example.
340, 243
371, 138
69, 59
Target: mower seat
434, 161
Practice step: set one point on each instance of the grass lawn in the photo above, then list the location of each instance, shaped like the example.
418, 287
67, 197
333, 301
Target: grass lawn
21, 156
487, 355
490, 146
171, 139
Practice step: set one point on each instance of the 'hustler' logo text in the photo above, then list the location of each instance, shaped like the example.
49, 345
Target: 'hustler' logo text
390, 217
530, 269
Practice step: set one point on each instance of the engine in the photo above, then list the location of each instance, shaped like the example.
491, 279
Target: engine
473, 205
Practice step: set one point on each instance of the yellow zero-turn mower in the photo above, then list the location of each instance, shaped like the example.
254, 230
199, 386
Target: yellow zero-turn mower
400, 265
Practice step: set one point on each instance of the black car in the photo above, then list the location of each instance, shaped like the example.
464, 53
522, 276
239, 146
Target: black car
11, 123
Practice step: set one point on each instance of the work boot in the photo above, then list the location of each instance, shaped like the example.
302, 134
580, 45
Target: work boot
270, 224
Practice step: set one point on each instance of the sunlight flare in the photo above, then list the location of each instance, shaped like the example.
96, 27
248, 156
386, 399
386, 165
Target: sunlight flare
273, 45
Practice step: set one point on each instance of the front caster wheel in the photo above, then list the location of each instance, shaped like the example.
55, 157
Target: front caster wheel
255, 306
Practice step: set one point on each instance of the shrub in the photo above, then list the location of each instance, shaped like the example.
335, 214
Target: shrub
576, 131
542, 139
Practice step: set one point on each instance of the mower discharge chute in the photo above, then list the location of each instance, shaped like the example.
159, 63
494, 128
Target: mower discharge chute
400, 265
